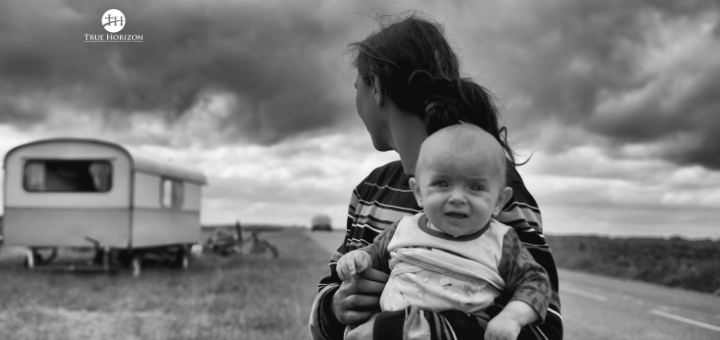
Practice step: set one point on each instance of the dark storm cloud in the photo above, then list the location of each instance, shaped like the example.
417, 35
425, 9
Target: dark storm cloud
282, 62
573, 57
276, 59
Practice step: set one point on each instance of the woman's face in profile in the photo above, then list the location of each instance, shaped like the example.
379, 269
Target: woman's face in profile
375, 121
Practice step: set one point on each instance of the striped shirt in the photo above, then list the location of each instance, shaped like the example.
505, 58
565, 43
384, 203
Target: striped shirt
383, 198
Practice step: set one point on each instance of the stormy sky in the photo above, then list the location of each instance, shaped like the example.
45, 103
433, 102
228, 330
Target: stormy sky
617, 102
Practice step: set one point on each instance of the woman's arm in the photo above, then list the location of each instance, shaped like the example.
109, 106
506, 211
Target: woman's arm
342, 303
338, 303
323, 323
522, 213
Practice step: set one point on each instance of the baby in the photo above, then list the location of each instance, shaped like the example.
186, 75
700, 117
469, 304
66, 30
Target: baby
454, 255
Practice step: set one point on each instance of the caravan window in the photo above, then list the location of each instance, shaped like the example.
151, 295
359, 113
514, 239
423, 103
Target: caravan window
67, 176
172, 193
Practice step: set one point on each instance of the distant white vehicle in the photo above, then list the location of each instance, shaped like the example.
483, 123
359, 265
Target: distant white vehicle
85, 193
321, 222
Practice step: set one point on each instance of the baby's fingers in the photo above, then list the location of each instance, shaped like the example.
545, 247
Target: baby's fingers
351, 269
341, 269
492, 336
495, 334
362, 263
341, 274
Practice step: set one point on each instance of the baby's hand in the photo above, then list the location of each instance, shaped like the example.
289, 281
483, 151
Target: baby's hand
502, 328
353, 263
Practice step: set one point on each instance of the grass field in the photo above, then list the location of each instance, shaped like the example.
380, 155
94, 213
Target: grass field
217, 298
675, 262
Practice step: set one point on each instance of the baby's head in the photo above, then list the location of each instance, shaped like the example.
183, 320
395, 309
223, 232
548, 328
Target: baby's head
460, 179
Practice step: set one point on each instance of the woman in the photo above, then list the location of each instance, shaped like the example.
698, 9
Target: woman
408, 86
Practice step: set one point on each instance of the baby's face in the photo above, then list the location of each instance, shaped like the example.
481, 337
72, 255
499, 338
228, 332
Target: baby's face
459, 191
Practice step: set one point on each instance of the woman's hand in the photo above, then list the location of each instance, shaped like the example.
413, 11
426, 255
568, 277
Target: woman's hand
356, 301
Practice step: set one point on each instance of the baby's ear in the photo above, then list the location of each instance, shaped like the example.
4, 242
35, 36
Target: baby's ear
415, 187
503, 197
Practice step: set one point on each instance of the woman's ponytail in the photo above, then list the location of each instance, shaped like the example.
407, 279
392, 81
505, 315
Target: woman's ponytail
455, 101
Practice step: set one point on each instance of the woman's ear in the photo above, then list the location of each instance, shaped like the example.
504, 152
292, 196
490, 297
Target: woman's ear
503, 197
416, 191
377, 89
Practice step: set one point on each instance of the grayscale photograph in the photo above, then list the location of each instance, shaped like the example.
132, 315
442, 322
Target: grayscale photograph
360, 170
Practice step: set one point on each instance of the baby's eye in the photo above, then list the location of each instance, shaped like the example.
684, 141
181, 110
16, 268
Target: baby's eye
441, 184
476, 187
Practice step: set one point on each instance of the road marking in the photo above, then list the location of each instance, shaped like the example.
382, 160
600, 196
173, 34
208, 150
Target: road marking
585, 294
632, 299
685, 320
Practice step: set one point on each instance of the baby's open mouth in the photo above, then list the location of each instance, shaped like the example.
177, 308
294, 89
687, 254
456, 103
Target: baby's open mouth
456, 215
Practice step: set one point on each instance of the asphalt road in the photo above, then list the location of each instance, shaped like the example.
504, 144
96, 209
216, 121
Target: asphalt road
596, 307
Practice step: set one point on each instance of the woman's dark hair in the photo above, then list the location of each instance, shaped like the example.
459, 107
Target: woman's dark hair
420, 72
455, 101
402, 49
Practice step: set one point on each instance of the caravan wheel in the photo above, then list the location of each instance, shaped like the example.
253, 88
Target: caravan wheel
29, 259
185, 260
182, 257
136, 265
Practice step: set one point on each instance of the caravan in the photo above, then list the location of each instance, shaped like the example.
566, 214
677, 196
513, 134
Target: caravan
91, 193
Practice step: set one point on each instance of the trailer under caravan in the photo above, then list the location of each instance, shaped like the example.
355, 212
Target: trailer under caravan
87, 193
